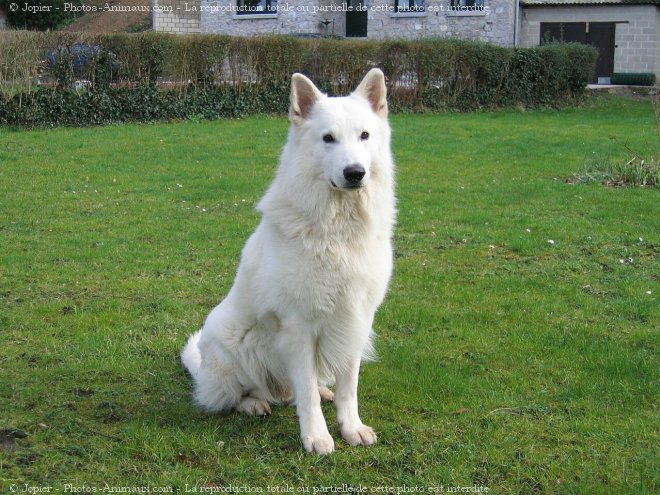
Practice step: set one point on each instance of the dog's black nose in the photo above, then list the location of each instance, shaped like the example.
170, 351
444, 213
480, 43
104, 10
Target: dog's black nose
354, 174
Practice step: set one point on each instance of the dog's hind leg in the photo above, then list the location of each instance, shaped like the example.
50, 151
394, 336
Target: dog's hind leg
217, 384
220, 385
253, 406
326, 394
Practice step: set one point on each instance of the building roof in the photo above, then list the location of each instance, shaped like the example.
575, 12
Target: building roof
539, 3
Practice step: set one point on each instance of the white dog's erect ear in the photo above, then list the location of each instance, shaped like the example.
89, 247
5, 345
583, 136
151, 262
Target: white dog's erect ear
374, 90
303, 96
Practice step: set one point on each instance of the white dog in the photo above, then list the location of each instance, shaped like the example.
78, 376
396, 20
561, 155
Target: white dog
298, 317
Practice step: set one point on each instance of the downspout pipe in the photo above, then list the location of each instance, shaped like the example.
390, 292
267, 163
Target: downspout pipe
515, 23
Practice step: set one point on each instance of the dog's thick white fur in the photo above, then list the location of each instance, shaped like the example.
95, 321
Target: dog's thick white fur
299, 315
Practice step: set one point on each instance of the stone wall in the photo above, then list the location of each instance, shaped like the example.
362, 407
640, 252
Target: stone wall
292, 17
493, 24
637, 34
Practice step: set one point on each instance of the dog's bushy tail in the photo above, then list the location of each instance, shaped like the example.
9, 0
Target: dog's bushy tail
190, 356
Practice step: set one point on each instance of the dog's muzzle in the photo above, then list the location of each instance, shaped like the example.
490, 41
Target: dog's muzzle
353, 174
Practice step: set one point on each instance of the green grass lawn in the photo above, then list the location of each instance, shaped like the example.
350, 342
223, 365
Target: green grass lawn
518, 345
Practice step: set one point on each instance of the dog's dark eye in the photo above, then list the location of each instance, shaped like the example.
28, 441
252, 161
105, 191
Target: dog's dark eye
364, 136
328, 138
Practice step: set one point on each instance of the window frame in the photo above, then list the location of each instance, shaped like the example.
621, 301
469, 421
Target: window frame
413, 7
470, 5
267, 4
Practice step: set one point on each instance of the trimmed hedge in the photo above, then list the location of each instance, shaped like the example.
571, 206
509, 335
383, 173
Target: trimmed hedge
633, 78
156, 76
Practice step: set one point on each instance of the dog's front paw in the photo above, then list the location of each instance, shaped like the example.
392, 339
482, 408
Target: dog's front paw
320, 444
359, 435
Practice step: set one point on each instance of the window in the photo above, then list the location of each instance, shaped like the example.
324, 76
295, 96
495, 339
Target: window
467, 4
257, 6
410, 5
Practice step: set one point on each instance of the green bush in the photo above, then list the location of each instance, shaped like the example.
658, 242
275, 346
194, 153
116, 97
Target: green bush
633, 78
621, 173
158, 76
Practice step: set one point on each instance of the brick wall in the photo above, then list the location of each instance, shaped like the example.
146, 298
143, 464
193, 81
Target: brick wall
637, 35
657, 46
176, 16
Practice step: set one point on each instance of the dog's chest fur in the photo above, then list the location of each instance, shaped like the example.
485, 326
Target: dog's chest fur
340, 258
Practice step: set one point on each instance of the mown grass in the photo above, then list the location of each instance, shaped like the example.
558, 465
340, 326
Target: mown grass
518, 344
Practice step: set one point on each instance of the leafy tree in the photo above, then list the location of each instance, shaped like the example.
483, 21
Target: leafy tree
41, 15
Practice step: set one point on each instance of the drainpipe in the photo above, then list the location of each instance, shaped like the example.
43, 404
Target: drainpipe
515, 24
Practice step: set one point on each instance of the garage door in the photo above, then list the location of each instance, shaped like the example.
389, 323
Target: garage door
598, 34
